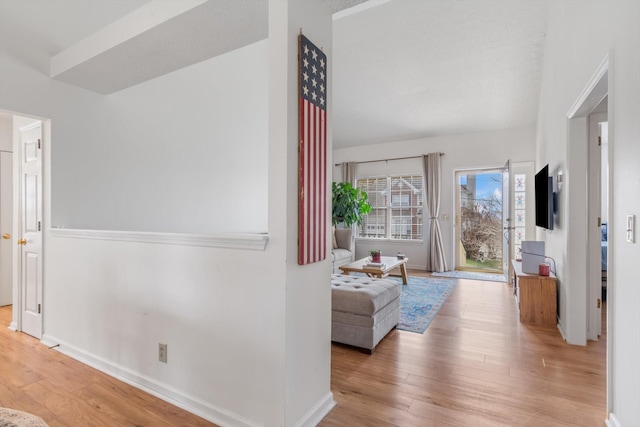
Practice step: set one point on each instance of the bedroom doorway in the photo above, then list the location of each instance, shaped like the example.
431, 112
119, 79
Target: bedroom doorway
480, 221
598, 215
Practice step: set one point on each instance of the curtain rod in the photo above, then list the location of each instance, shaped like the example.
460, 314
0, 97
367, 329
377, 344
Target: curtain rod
385, 160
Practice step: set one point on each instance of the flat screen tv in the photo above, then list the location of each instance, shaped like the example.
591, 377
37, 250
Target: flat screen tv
544, 199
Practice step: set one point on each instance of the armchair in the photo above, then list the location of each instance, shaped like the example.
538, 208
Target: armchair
343, 251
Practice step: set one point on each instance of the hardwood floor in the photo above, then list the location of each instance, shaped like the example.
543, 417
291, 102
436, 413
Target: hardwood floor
476, 365
67, 393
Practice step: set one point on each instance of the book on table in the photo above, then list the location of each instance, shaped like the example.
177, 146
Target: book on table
374, 265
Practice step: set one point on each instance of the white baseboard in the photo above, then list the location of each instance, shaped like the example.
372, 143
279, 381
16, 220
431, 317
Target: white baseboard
318, 412
13, 326
562, 331
48, 341
612, 421
160, 390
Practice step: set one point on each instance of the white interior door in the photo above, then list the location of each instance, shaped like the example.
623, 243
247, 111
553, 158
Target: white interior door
594, 266
6, 225
30, 239
507, 221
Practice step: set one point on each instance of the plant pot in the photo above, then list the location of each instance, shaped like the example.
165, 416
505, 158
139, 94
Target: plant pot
376, 258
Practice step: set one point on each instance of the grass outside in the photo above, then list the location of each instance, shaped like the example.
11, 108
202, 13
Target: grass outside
489, 264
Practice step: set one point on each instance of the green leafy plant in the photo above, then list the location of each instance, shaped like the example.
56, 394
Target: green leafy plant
373, 252
350, 205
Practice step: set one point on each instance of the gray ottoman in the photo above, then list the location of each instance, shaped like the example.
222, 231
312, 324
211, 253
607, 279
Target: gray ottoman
363, 309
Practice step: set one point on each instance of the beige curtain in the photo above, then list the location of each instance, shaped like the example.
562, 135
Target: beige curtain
348, 172
431, 170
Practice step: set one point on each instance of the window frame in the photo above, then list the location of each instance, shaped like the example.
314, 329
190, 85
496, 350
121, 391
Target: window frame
389, 208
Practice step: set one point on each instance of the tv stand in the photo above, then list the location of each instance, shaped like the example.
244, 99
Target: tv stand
535, 296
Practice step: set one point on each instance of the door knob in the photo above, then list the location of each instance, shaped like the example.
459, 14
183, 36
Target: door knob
6, 236
22, 241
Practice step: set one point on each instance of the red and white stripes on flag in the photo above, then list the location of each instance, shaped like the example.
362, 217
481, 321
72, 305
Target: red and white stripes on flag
312, 163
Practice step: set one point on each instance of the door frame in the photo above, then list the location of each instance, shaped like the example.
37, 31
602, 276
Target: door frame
508, 223
6, 221
600, 85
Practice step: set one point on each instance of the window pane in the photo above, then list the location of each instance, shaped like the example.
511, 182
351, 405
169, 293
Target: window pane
406, 192
374, 224
396, 201
520, 212
376, 189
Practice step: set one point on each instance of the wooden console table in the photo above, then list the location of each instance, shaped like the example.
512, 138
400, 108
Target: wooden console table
535, 296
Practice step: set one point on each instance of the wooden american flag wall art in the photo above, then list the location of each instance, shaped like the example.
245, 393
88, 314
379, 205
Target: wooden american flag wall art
312, 152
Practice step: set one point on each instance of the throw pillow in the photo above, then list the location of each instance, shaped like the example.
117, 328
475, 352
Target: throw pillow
333, 234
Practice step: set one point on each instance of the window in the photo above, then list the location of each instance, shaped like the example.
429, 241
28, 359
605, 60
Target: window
520, 212
396, 207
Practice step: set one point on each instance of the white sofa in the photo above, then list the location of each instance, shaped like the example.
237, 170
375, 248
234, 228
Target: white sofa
343, 249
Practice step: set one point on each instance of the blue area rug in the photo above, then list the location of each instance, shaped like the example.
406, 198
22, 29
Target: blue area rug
473, 275
421, 300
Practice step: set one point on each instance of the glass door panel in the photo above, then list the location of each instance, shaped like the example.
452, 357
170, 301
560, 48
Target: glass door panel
479, 220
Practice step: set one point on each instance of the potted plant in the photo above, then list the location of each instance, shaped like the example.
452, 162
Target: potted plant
375, 255
350, 205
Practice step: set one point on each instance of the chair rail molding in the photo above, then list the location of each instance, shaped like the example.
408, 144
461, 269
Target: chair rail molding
255, 242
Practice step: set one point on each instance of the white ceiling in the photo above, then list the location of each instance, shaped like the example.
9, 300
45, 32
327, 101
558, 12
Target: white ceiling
410, 68
401, 68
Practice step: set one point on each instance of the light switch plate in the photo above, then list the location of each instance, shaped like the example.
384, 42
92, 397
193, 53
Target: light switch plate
631, 228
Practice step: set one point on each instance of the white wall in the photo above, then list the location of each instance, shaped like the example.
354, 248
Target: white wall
175, 154
573, 52
114, 302
6, 133
308, 290
464, 151
248, 332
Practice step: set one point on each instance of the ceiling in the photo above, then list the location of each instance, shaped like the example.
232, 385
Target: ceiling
401, 68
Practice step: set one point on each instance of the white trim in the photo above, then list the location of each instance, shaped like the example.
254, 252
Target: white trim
318, 412
407, 242
256, 242
562, 331
158, 389
612, 421
610, 251
358, 8
31, 126
590, 90
13, 326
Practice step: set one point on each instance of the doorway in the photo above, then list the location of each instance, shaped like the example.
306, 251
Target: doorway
22, 242
479, 221
583, 309
6, 209
598, 215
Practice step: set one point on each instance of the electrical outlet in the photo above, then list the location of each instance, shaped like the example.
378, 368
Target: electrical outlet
162, 352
